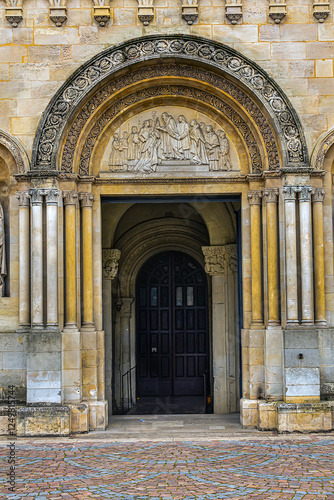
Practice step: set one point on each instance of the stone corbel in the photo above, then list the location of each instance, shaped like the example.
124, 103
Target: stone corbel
277, 11
110, 259
14, 12
233, 11
145, 11
101, 12
321, 11
58, 11
214, 260
189, 11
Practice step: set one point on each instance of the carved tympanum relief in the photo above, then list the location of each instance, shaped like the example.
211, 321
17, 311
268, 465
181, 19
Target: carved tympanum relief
169, 139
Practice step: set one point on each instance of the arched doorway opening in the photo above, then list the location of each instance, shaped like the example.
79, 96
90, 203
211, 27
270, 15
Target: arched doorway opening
172, 331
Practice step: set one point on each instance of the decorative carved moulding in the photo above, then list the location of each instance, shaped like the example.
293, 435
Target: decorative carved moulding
58, 12
145, 11
101, 12
277, 11
233, 11
189, 11
14, 13
321, 11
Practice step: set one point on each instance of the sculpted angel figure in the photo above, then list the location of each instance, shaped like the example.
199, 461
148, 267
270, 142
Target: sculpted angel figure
183, 131
3, 269
212, 147
224, 151
197, 144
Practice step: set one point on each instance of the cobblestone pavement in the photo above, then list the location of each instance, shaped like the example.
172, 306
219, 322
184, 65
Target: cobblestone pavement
268, 467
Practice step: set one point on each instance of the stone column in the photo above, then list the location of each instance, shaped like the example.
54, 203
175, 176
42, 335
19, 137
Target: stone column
71, 337
37, 320
254, 198
271, 197
87, 200
110, 258
307, 306
70, 201
215, 266
289, 195
125, 345
24, 260
52, 258
319, 259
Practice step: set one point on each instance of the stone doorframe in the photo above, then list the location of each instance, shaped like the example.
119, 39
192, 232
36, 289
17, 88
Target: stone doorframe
220, 263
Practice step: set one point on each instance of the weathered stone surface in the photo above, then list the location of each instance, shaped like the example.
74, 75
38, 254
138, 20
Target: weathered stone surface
43, 421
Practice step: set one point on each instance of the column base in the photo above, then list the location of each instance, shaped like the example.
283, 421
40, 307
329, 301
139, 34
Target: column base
98, 415
79, 418
23, 328
70, 327
257, 325
306, 322
52, 328
320, 323
88, 327
37, 328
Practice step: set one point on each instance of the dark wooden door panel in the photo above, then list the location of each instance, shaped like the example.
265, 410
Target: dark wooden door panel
172, 326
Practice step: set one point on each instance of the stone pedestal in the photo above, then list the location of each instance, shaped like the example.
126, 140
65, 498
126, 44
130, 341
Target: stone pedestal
98, 415
301, 366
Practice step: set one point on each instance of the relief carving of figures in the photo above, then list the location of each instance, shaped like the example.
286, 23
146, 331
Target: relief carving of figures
167, 141
3, 269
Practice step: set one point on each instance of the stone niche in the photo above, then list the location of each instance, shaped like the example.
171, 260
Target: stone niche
170, 141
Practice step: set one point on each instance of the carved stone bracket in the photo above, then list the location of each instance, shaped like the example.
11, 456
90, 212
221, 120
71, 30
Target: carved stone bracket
271, 195
14, 12
24, 198
277, 11
321, 11
87, 199
145, 11
318, 195
101, 12
189, 11
58, 11
214, 260
233, 11
110, 259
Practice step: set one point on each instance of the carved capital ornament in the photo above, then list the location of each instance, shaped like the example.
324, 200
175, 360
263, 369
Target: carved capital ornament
318, 195
254, 197
214, 260
110, 259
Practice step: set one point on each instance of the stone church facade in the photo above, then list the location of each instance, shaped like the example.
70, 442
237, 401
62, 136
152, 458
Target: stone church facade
166, 214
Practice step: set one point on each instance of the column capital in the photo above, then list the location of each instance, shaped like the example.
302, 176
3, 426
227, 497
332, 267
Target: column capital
36, 196
70, 197
318, 194
304, 193
126, 306
214, 260
231, 256
254, 197
110, 258
24, 198
289, 193
87, 199
51, 196
271, 195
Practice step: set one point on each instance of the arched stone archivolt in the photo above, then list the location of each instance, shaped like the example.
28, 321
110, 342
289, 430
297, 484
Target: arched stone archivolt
182, 48
165, 91
17, 151
321, 149
238, 99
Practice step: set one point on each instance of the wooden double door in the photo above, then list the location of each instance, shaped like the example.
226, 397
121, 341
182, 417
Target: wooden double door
172, 337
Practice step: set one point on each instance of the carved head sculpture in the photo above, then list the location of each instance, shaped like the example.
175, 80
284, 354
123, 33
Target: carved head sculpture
202, 125
182, 118
134, 130
164, 116
125, 135
116, 136
209, 129
193, 123
221, 134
